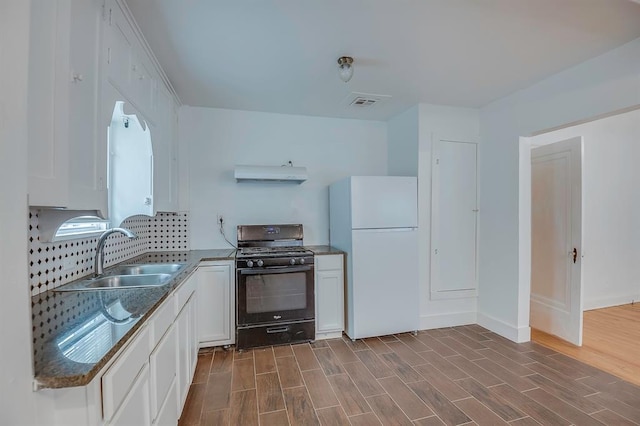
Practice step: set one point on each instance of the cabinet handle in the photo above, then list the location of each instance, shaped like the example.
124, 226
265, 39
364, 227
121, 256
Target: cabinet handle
277, 330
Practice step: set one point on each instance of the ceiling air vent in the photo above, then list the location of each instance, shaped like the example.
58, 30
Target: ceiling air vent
364, 100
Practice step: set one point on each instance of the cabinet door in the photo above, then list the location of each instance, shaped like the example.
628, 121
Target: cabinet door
329, 301
165, 167
215, 298
118, 48
67, 149
48, 80
144, 85
168, 415
117, 382
193, 333
185, 335
135, 409
87, 139
163, 363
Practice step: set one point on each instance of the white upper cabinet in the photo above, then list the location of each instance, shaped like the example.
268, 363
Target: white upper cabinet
118, 48
165, 154
85, 55
67, 147
130, 71
127, 65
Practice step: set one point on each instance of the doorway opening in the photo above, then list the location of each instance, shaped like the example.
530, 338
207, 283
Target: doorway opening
608, 261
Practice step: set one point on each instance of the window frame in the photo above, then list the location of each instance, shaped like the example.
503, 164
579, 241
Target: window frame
81, 227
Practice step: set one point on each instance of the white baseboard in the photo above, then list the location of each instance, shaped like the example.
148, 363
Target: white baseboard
609, 302
428, 322
516, 334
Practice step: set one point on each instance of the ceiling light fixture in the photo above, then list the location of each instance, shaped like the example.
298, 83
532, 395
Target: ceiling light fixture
346, 68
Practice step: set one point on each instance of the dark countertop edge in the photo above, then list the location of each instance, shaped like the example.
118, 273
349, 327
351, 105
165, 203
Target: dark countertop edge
67, 381
321, 250
61, 382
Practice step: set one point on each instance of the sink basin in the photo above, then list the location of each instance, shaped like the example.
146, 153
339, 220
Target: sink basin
145, 269
118, 282
128, 281
128, 276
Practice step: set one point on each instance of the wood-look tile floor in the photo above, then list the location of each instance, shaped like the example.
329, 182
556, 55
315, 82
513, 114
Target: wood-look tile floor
453, 376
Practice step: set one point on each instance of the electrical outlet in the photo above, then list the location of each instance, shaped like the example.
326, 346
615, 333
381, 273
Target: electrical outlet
220, 219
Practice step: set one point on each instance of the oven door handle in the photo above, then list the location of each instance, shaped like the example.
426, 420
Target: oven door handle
275, 270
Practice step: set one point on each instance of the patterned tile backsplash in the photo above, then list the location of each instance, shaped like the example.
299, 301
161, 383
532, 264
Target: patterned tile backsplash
47, 261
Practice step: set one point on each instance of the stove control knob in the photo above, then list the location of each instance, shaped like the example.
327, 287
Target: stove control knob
250, 263
292, 261
302, 261
260, 262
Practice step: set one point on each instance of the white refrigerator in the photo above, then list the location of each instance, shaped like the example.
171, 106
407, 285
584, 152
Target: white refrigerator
374, 219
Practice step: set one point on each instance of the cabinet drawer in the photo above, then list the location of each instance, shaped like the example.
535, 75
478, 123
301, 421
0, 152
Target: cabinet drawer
117, 381
332, 261
162, 319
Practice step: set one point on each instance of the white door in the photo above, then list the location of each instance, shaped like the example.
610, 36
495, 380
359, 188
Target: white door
454, 219
556, 239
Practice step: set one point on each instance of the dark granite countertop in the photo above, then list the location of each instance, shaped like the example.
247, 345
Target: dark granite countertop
323, 249
75, 334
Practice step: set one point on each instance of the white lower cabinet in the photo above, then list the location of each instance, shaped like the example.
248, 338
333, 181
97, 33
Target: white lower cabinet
329, 288
135, 409
169, 412
184, 357
149, 381
216, 301
187, 339
163, 362
119, 381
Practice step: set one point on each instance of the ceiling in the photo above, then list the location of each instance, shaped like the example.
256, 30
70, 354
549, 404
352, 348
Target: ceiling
280, 55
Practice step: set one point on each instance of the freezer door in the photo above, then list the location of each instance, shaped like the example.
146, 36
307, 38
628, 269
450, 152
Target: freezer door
384, 202
385, 295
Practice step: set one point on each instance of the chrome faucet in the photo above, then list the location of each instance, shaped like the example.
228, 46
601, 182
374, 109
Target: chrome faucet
99, 259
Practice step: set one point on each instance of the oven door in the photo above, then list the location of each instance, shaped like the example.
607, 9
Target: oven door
272, 295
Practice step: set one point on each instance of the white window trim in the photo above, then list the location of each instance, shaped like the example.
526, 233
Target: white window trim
85, 227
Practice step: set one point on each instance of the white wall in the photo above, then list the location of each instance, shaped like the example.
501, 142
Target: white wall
599, 86
17, 401
403, 143
218, 139
611, 207
410, 139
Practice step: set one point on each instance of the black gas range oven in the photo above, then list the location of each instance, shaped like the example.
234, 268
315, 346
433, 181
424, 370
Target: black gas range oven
274, 286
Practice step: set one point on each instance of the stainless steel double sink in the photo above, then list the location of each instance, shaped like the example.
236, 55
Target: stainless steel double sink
128, 276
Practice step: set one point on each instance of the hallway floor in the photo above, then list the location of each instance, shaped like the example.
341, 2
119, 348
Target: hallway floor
610, 341
453, 376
